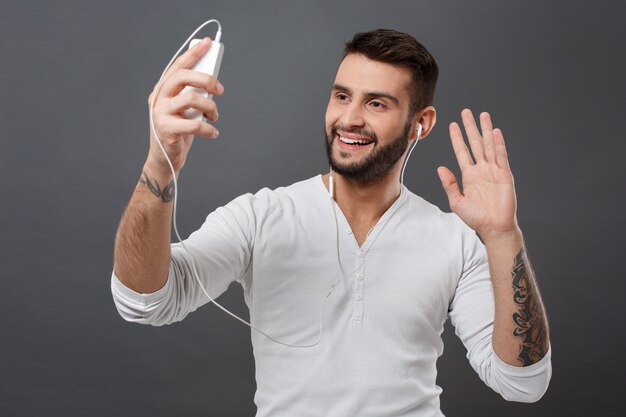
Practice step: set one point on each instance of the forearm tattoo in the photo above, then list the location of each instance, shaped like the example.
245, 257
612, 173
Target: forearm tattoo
529, 319
166, 194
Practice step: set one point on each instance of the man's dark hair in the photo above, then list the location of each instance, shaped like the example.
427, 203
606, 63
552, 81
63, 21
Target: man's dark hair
398, 48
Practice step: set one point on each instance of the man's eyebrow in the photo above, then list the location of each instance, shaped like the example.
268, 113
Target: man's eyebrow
376, 94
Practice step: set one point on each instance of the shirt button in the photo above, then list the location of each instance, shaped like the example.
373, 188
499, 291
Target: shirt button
359, 297
361, 254
348, 230
359, 276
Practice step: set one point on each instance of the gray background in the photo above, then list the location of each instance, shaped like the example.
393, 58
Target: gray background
74, 81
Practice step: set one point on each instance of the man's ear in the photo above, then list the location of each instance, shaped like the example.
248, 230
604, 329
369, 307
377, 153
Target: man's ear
427, 117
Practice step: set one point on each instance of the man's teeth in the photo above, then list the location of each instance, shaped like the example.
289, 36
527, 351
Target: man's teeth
354, 141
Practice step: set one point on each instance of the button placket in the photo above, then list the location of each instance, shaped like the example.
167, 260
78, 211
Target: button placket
359, 261
359, 298
359, 294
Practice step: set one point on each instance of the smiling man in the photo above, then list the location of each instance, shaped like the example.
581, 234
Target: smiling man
359, 155
384, 268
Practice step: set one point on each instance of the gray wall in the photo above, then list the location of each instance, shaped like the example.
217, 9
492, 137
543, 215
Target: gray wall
74, 81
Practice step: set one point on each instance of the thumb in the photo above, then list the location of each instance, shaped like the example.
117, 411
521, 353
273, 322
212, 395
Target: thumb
450, 185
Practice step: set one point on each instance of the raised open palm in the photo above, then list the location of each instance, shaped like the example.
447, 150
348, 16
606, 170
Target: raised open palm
486, 199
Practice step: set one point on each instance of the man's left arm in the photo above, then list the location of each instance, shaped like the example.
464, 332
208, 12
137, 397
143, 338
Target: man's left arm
486, 202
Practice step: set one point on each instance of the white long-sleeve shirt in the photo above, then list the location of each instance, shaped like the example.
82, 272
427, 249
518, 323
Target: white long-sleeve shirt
382, 323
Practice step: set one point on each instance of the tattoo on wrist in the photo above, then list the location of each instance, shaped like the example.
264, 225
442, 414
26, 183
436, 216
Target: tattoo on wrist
166, 194
529, 319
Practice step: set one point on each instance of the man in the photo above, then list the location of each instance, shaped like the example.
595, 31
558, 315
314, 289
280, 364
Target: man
384, 267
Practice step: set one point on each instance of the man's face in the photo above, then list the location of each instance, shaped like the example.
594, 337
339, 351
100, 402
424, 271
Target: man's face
367, 122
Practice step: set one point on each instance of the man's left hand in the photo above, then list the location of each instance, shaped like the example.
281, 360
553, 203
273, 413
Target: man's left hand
487, 200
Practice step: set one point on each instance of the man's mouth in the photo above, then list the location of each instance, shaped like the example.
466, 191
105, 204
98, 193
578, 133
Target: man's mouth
358, 142
353, 140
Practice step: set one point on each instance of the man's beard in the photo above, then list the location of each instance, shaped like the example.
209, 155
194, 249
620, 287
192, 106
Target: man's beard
377, 163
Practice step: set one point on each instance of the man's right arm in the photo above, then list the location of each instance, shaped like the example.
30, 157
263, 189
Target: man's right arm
142, 244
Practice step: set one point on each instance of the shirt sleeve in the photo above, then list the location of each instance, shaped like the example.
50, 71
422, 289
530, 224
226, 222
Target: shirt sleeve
472, 312
220, 251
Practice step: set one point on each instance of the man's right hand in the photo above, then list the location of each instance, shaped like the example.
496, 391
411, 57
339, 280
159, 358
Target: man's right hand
175, 132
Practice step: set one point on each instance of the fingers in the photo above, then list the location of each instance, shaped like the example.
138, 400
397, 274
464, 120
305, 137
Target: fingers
197, 128
192, 100
483, 143
174, 126
473, 135
171, 104
486, 128
450, 185
190, 57
175, 83
463, 156
502, 159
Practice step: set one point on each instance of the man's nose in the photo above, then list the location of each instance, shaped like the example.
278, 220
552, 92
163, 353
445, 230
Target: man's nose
352, 115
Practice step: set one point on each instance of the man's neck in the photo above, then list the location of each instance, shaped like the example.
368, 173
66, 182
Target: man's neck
363, 204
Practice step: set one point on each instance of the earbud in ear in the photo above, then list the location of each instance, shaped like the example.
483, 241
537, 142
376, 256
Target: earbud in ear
419, 131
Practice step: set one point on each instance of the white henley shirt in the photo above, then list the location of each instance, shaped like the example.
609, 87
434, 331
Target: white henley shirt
382, 324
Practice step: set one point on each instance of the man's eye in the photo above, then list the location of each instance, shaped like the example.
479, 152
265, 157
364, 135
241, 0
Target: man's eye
377, 104
342, 96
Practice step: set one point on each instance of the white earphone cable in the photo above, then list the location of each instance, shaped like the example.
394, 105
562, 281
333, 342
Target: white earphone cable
175, 203
406, 160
